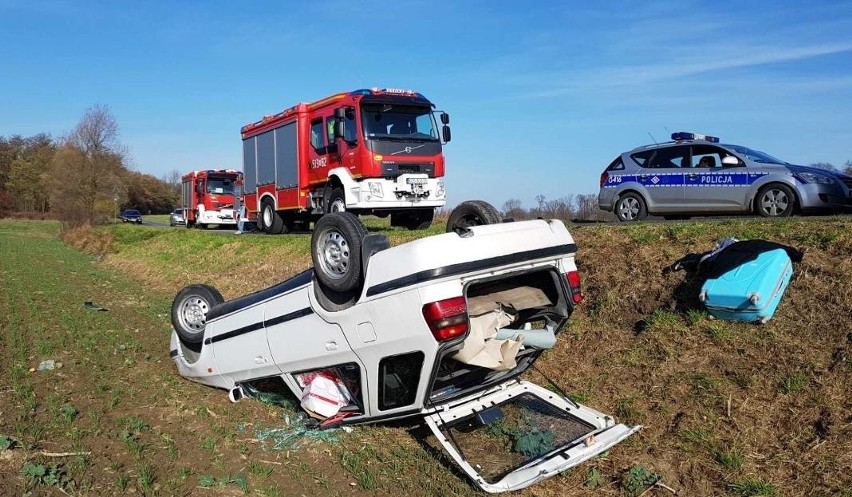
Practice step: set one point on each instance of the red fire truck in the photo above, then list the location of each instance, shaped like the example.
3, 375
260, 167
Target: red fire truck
207, 197
366, 151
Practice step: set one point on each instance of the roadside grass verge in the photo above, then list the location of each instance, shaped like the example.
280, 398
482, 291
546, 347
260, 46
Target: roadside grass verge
727, 408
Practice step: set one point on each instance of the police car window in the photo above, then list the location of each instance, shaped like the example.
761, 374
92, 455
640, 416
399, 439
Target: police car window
642, 158
756, 156
667, 158
705, 156
317, 136
615, 165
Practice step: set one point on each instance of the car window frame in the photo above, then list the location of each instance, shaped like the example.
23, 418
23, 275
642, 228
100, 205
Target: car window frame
657, 152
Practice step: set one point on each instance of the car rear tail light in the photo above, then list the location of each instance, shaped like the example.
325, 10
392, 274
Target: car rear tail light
604, 178
446, 318
573, 278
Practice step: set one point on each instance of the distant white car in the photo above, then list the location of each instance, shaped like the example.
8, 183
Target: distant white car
176, 217
398, 331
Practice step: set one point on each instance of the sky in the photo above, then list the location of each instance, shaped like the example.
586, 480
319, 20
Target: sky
541, 95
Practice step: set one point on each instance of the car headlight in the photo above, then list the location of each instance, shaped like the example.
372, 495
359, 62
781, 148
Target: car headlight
816, 178
376, 189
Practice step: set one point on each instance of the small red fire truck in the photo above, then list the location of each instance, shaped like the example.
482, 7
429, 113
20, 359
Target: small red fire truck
365, 151
207, 197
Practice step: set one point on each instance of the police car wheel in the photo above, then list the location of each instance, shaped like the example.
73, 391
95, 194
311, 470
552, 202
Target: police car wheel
631, 207
336, 251
776, 201
472, 213
189, 311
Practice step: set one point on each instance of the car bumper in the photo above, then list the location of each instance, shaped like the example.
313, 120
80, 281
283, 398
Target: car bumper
816, 197
222, 217
399, 193
606, 199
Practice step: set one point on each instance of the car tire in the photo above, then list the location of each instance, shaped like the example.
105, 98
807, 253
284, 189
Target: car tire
189, 311
336, 201
336, 251
271, 221
775, 200
472, 213
631, 207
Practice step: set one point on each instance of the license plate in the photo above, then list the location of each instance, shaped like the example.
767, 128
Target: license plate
416, 181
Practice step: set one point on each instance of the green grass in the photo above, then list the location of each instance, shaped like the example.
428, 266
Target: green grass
730, 459
128, 398
663, 320
753, 488
795, 383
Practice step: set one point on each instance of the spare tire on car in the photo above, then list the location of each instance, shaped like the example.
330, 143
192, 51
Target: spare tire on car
189, 311
472, 213
336, 251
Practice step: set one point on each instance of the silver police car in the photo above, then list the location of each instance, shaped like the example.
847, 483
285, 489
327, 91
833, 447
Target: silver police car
695, 174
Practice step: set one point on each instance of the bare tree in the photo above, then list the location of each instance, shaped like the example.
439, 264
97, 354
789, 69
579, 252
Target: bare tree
172, 177
847, 168
85, 174
512, 208
824, 165
587, 207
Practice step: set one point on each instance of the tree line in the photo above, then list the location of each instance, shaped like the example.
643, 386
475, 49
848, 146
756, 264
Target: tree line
83, 177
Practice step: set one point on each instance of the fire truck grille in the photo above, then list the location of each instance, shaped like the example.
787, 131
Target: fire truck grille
394, 169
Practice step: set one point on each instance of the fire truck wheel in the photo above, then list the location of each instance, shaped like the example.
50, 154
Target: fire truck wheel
189, 311
270, 221
336, 201
472, 213
336, 250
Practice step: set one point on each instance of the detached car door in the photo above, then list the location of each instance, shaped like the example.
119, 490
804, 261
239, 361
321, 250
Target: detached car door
519, 433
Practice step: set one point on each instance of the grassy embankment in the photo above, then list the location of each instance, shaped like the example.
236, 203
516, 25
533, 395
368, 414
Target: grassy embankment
728, 409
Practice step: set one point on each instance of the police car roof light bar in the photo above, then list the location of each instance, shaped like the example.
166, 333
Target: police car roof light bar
682, 135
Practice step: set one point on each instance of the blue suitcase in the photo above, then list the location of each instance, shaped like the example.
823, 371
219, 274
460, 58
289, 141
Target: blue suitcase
751, 291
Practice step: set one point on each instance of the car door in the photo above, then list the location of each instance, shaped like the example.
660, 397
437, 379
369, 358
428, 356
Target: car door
663, 179
299, 339
519, 433
712, 187
323, 154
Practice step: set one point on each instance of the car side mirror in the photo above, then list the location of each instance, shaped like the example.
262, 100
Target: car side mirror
445, 132
730, 161
445, 118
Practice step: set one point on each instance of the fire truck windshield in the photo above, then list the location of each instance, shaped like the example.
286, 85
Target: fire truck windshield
220, 186
398, 122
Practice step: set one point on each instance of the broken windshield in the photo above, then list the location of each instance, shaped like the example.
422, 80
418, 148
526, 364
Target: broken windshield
398, 122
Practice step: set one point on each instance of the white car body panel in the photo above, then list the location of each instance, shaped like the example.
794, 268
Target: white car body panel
285, 330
